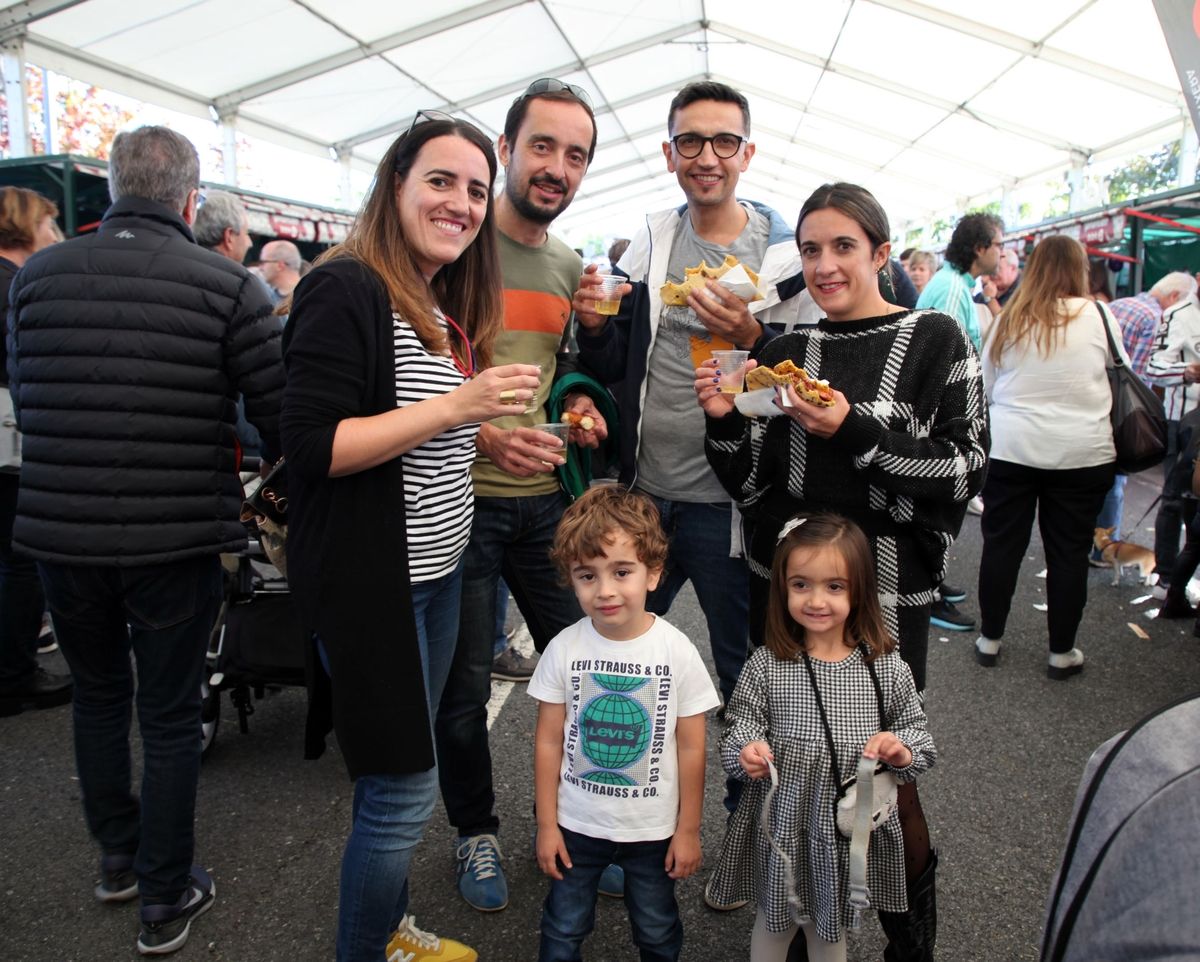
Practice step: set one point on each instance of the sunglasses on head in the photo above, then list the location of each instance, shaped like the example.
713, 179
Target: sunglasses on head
551, 85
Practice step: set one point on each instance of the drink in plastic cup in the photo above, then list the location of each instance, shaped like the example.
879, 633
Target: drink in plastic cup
610, 302
560, 431
732, 365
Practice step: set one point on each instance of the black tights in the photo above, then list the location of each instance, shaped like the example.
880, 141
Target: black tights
915, 829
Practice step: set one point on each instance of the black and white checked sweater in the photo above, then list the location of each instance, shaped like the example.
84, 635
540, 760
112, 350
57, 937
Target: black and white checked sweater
910, 454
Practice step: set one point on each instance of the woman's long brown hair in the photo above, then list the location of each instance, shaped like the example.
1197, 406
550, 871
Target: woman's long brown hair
1057, 268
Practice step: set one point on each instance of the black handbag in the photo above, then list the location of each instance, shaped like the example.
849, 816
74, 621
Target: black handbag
1139, 423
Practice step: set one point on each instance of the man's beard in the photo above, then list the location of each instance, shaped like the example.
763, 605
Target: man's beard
535, 212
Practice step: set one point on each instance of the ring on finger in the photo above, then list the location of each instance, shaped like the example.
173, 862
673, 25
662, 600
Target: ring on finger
508, 395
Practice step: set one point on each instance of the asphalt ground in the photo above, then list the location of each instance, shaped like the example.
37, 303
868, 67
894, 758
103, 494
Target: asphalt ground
270, 826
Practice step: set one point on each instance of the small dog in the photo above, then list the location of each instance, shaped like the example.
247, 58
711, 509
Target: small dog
1123, 554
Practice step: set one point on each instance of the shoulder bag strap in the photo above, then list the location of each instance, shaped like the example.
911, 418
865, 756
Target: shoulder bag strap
883, 725
833, 761
1113, 353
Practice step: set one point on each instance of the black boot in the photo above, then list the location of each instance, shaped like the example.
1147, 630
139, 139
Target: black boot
911, 935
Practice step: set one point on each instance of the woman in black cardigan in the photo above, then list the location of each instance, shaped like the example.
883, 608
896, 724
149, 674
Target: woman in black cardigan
384, 349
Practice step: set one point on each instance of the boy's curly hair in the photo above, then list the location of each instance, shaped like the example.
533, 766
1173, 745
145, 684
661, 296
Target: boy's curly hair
587, 527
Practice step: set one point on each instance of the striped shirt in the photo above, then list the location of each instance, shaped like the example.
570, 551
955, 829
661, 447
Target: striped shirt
438, 496
1139, 317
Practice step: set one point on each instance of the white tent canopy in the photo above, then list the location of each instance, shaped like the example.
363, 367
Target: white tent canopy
934, 108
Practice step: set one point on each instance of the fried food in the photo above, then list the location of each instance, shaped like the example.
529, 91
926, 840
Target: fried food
808, 388
695, 279
585, 422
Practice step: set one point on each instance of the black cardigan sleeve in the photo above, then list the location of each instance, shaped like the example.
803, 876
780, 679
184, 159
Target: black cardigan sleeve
325, 353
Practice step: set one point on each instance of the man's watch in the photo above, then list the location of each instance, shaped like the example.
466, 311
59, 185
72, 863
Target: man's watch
987, 299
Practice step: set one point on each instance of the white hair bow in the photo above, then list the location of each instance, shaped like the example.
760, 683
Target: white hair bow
789, 527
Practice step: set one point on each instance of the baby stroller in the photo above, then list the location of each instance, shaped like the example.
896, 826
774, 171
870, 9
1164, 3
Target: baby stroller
257, 644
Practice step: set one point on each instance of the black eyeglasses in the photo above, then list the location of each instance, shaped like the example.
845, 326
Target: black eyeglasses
551, 85
723, 145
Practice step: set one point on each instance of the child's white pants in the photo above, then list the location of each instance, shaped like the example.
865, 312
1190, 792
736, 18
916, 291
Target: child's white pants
768, 946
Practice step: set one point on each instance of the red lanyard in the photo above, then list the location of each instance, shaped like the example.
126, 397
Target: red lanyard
466, 370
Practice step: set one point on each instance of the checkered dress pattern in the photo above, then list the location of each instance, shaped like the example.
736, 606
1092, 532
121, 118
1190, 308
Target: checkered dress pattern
911, 453
774, 702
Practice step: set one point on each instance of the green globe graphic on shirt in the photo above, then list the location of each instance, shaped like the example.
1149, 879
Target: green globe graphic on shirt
619, 682
615, 731
602, 776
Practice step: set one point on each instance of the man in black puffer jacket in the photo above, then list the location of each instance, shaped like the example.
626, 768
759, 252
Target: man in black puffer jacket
128, 349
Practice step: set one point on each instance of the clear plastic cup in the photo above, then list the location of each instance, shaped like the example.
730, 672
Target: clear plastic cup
560, 431
732, 365
610, 302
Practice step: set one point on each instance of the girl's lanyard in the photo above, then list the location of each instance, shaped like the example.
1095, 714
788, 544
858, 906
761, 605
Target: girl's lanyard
467, 370
833, 759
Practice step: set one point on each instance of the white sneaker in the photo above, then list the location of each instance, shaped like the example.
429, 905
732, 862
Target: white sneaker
1065, 665
410, 944
987, 651
975, 505
1159, 591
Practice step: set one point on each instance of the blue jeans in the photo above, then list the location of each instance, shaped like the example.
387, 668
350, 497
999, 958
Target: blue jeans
21, 598
165, 614
700, 540
569, 913
390, 811
510, 537
501, 641
1114, 506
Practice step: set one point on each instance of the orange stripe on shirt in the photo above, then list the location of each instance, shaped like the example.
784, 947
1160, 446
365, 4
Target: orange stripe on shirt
535, 311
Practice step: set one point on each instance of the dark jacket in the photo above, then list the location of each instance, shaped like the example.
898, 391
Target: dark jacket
347, 537
127, 350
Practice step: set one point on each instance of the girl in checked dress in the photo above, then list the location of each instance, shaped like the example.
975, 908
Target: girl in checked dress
825, 688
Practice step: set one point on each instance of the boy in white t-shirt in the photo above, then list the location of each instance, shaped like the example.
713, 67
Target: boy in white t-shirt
619, 754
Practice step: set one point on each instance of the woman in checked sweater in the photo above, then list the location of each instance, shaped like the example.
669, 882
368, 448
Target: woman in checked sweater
900, 452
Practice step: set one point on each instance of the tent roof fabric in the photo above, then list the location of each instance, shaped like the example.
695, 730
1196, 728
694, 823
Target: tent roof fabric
931, 107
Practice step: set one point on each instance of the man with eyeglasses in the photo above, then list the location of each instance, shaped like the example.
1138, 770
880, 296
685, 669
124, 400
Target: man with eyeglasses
975, 249
281, 267
652, 350
221, 225
548, 142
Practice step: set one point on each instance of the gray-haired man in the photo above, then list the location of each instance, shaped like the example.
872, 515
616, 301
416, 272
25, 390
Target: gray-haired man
125, 350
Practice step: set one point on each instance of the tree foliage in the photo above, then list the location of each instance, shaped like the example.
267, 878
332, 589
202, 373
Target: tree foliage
1146, 174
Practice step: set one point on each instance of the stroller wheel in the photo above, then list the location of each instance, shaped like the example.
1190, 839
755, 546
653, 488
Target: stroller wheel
210, 717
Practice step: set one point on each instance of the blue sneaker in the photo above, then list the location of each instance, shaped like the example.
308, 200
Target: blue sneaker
945, 615
612, 882
481, 880
165, 928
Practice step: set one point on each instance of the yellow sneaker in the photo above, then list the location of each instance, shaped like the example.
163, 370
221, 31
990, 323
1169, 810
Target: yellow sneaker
410, 944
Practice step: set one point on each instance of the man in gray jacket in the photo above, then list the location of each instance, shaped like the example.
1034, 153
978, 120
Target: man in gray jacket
127, 351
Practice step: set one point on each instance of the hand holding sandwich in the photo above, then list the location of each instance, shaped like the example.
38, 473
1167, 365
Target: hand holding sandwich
817, 420
725, 314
